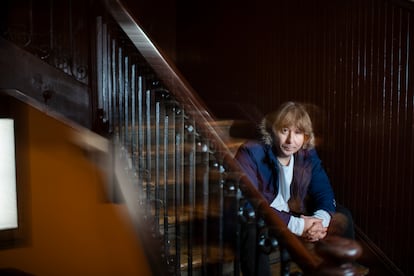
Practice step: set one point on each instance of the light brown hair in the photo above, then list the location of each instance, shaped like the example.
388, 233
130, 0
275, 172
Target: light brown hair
287, 115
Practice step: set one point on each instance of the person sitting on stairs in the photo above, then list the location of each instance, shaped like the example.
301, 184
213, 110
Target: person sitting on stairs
285, 167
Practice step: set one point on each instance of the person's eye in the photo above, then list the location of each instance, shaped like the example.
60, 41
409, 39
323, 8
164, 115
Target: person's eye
298, 131
284, 130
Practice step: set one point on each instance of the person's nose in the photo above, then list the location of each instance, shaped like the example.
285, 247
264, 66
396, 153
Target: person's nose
289, 137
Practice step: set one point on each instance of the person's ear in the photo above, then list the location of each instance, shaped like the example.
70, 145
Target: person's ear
306, 141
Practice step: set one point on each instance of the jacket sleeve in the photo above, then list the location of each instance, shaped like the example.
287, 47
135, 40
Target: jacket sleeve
320, 189
249, 161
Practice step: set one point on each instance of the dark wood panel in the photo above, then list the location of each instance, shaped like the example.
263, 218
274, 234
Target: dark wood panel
352, 61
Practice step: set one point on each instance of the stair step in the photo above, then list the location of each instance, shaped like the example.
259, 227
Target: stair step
215, 255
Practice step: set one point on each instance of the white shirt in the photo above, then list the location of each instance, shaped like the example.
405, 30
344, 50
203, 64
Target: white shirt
296, 224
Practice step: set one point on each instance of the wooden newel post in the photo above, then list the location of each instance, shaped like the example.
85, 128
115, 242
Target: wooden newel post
339, 256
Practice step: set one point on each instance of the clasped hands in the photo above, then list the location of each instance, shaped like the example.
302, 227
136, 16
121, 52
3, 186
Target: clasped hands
313, 229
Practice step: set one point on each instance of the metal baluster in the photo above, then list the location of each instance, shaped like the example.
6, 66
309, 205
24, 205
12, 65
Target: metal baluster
105, 72
157, 165
221, 219
205, 202
133, 147
239, 213
120, 95
172, 172
102, 58
114, 114
127, 139
141, 160
99, 60
178, 208
113, 96
110, 87
115, 121
148, 148
214, 222
165, 181
181, 164
179, 179
105, 90
190, 145
191, 208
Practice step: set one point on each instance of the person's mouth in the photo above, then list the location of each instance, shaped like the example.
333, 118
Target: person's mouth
288, 149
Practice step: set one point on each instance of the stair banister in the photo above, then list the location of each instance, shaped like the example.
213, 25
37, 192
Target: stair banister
177, 85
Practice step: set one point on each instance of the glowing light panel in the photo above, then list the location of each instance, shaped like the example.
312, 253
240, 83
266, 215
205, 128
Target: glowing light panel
8, 199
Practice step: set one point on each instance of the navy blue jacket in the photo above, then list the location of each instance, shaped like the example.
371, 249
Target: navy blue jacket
310, 189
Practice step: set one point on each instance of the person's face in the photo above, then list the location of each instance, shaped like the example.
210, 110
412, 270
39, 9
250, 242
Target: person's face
288, 141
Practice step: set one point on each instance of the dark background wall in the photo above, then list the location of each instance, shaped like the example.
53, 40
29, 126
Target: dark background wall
351, 60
